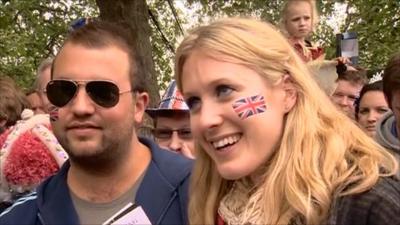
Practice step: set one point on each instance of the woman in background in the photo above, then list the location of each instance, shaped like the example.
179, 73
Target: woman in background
271, 147
370, 107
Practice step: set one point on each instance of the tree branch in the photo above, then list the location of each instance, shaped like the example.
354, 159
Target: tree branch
167, 43
171, 5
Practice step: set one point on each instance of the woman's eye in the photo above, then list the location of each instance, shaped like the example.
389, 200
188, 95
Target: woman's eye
223, 90
383, 110
364, 111
193, 103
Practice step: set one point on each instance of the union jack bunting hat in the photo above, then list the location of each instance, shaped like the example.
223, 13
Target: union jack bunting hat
171, 101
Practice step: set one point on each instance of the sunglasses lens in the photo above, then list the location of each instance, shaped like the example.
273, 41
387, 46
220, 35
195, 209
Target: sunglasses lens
60, 92
104, 93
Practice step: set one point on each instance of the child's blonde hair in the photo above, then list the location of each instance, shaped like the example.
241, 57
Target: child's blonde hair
285, 14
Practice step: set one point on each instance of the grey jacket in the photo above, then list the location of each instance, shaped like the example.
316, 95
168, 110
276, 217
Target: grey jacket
386, 134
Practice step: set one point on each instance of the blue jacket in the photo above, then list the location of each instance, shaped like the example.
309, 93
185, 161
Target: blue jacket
163, 194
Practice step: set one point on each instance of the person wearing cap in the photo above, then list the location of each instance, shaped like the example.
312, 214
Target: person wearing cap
172, 122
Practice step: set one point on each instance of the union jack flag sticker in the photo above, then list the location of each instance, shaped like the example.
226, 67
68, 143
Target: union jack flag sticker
249, 106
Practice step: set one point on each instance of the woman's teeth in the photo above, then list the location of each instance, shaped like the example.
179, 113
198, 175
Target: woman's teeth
226, 141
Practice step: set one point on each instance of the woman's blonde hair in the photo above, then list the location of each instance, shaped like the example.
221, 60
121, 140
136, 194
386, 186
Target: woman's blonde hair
322, 154
285, 14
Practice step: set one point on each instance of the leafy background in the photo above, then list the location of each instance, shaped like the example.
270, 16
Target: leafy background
34, 30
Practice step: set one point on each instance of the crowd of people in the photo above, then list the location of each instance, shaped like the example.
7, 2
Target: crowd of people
257, 127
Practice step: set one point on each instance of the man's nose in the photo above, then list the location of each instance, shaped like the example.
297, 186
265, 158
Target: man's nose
81, 102
344, 101
175, 143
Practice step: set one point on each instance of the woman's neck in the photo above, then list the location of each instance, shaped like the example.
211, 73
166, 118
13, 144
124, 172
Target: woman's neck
298, 40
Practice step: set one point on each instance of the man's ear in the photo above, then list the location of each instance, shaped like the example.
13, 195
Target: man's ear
141, 103
290, 93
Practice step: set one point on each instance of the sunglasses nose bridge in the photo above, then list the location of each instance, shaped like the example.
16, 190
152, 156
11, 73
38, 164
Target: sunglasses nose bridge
81, 86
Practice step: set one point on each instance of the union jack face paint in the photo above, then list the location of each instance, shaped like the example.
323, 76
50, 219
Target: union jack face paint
249, 106
53, 112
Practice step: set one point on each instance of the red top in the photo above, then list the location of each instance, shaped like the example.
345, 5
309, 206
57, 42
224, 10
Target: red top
310, 54
220, 221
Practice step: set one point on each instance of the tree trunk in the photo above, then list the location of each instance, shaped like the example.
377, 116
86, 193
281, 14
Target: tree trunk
134, 13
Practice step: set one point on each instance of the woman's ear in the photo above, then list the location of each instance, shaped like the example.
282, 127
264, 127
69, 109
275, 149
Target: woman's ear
290, 93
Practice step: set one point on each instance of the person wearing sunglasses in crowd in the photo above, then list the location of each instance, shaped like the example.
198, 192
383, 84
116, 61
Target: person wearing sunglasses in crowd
98, 92
35, 101
270, 146
172, 122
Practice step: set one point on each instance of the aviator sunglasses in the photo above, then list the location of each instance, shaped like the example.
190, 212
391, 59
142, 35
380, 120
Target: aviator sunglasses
103, 93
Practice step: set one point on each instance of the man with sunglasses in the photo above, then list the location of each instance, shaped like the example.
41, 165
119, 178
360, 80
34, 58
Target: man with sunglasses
172, 122
112, 176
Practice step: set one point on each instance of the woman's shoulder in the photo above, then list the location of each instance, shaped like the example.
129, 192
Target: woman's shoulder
379, 205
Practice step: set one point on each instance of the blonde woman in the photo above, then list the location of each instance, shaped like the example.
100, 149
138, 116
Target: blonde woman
272, 149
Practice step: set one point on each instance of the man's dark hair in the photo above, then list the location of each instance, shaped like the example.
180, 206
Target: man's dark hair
100, 34
359, 76
391, 78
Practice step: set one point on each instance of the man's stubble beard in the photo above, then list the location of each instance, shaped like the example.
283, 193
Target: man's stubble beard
111, 151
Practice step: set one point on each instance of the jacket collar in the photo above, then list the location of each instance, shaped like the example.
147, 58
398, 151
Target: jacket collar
155, 194
160, 185
54, 200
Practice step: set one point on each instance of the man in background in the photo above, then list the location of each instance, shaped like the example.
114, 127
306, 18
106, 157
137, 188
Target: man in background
172, 122
35, 101
349, 85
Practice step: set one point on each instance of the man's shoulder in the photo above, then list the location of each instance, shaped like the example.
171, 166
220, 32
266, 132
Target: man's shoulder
23, 211
172, 166
167, 158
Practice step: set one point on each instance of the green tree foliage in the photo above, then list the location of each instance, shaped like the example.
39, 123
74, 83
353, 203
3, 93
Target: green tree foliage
32, 31
377, 23
166, 22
